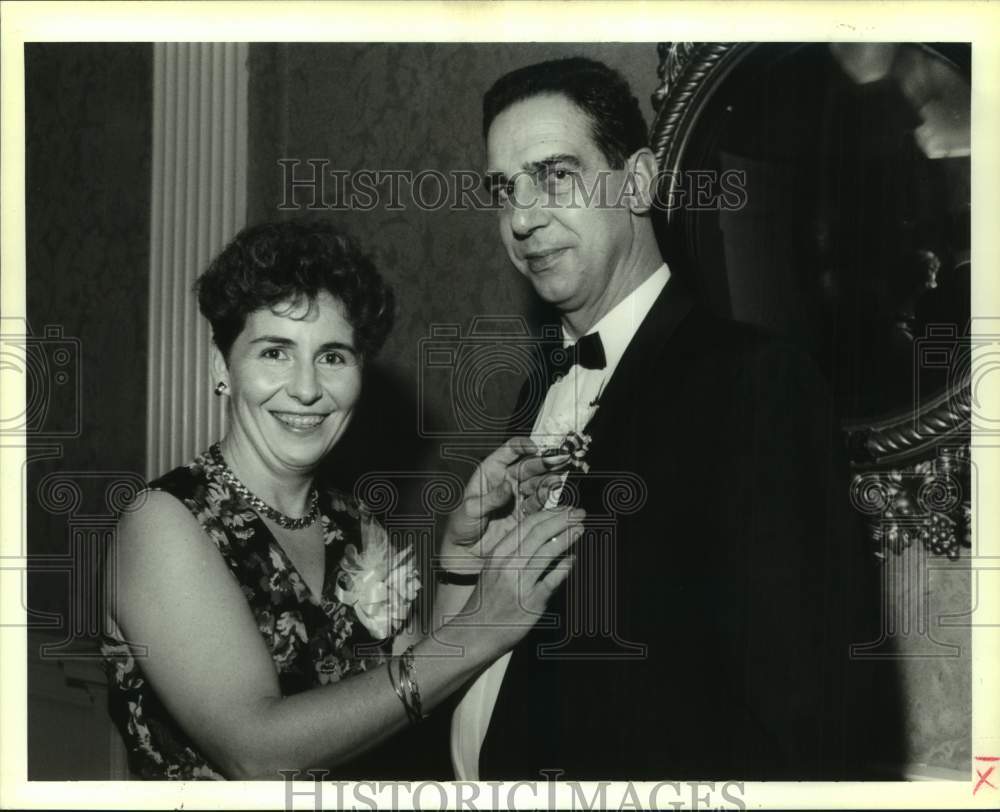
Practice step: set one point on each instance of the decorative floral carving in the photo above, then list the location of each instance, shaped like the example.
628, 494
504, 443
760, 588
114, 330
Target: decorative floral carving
926, 502
674, 57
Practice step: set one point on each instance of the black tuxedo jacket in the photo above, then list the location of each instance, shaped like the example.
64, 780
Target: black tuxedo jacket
703, 630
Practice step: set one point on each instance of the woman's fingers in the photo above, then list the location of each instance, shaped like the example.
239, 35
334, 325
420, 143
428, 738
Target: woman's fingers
511, 539
535, 494
527, 564
532, 531
497, 478
491, 500
528, 467
548, 583
495, 533
554, 548
553, 525
521, 446
510, 452
548, 565
553, 461
516, 467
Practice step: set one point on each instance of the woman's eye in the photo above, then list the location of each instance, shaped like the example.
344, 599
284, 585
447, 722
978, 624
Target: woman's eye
273, 354
333, 358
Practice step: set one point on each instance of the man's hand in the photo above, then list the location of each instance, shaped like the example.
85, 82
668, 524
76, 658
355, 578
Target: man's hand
486, 514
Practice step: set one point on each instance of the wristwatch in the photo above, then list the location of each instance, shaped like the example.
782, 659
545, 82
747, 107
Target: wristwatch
456, 578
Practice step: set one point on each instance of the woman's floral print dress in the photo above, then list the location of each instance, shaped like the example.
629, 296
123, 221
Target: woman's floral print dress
313, 641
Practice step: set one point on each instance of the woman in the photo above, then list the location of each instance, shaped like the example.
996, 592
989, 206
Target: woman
259, 612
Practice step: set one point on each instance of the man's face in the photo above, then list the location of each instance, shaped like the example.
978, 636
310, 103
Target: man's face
573, 250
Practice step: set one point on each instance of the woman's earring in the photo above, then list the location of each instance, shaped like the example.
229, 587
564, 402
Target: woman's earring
221, 387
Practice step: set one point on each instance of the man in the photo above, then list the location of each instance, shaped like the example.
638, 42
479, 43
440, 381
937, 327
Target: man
700, 633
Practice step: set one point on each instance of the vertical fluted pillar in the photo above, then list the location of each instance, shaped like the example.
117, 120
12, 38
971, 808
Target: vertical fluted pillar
198, 204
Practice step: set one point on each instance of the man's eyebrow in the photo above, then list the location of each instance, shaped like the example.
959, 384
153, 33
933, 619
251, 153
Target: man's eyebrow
491, 180
552, 160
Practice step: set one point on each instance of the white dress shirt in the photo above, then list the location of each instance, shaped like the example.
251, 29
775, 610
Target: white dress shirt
569, 405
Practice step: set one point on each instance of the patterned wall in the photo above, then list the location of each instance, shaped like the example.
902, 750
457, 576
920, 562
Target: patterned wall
88, 116
404, 107
88, 139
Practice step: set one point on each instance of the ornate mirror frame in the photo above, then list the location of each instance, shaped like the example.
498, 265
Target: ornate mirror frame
911, 468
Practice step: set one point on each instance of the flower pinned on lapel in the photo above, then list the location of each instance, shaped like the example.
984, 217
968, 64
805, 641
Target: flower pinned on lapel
379, 582
563, 435
576, 446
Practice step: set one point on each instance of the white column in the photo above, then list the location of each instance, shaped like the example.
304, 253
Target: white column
198, 204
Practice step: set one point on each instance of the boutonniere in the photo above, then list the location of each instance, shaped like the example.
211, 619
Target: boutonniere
576, 446
380, 582
565, 436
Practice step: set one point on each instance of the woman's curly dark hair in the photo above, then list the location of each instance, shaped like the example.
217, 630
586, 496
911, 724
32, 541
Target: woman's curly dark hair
277, 262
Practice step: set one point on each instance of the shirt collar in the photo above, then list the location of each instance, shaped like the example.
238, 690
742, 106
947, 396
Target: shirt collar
622, 321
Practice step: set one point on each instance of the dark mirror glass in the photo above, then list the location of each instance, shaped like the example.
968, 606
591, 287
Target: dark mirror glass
852, 234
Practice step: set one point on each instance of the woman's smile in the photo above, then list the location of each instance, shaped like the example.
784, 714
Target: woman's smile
299, 422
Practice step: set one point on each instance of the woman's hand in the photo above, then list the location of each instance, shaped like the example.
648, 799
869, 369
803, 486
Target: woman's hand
486, 513
519, 576
216, 676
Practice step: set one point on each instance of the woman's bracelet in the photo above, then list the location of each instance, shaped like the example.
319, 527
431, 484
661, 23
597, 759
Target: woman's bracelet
415, 704
392, 682
406, 686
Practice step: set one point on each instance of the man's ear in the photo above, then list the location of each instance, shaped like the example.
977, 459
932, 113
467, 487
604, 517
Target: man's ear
641, 167
220, 370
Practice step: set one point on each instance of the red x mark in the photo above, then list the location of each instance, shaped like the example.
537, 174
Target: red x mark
983, 776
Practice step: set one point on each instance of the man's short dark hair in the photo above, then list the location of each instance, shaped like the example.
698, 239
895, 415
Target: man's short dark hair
617, 123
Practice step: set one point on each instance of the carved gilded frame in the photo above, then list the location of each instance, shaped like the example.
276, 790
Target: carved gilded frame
914, 463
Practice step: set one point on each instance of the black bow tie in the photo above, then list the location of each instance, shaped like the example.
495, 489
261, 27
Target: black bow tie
588, 352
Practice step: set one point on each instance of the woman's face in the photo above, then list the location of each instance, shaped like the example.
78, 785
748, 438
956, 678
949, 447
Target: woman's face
294, 377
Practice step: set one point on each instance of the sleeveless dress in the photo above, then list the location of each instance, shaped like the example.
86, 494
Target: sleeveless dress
312, 640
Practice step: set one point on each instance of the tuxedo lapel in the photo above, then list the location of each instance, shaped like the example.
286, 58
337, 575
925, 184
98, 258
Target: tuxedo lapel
668, 311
